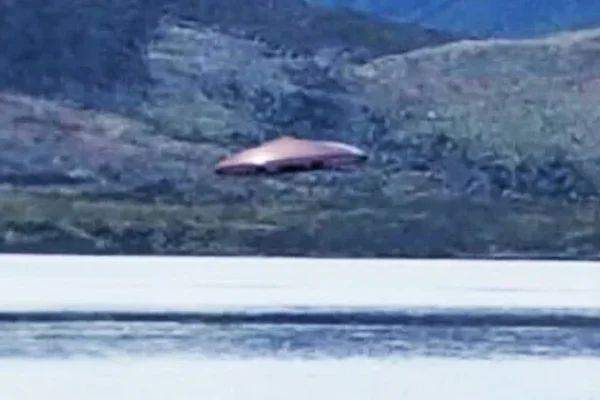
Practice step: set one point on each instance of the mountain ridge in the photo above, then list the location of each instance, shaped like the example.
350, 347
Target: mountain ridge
485, 18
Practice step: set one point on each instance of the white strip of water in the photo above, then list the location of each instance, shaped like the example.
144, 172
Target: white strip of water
271, 379
138, 284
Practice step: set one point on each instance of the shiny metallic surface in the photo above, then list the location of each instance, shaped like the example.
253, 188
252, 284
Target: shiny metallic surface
288, 152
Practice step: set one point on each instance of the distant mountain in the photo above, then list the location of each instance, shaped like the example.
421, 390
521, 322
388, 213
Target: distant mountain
514, 18
303, 28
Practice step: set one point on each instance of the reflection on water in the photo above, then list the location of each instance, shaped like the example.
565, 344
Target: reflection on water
108, 339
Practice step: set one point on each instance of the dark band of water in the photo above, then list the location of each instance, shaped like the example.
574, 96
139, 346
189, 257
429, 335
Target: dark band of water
107, 339
415, 317
303, 333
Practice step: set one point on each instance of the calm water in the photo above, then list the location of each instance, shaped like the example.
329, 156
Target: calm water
274, 379
103, 338
494, 354
101, 360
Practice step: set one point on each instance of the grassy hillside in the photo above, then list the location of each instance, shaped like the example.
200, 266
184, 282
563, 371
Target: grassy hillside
519, 100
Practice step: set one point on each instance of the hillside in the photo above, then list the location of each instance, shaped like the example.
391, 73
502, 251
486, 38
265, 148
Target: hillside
508, 19
94, 51
523, 101
127, 168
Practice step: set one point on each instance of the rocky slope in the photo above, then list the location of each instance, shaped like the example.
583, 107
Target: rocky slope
455, 169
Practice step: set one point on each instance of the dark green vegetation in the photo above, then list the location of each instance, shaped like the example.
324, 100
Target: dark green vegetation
109, 133
311, 225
